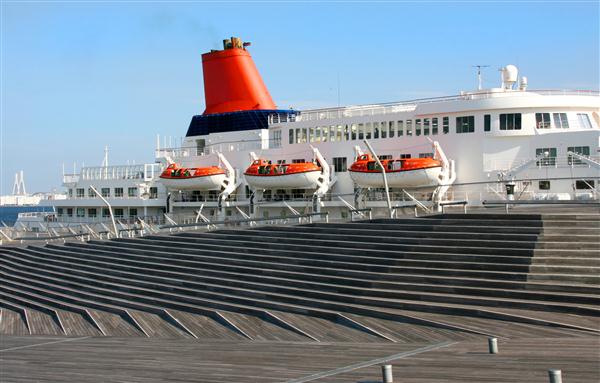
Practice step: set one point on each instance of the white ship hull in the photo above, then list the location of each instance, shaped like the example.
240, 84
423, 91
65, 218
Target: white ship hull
196, 183
306, 180
404, 179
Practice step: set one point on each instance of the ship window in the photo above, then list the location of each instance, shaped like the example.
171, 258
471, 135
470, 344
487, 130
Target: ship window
132, 211
384, 129
583, 150
510, 121
465, 124
119, 212
70, 193
80, 193
409, 127
200, 144
132, 192
80, 212
400, 128
549, 156
291, 136
584, 121
376, 130
304, 135
385, 157
584, 184
297, 136
59, 211
560, 120
311, 134
542, 120
445, 125
361, 131
339, 164
487, 122
392, 129
105, 192
153, 192
325, 131
298, 161
353, 130
318, 134
425, 155
69, 212
346, 132
105, 212
332, 133
434, 126
417, 127
426, 125
404, 156
339, 133
277, 138
368, 129
118, 192
544, 185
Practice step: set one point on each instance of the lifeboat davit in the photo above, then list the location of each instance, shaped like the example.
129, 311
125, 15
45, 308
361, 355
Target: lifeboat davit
263, 175
207, 178
401, 173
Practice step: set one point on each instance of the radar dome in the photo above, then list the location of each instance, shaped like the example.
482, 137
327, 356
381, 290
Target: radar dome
510, 74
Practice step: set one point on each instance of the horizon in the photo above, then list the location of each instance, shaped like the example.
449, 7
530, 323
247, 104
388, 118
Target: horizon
79, 76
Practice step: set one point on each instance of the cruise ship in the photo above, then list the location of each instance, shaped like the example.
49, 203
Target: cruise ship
244, 157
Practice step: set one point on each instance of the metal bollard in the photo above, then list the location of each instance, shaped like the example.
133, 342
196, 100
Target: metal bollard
493, 345
386, 372
555, 376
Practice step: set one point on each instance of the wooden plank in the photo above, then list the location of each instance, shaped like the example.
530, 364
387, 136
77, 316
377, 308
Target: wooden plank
42, 323
114, 325
76, 325
155, 326
205, 327
13, 323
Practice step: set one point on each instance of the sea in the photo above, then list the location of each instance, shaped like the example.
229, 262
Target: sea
8, 214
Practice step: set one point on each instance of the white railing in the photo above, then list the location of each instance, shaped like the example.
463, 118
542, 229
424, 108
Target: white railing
144, 172
395, 107
549, 162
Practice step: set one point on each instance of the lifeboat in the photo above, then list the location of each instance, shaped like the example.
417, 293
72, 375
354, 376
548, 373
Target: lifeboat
263, 175
207, 178
401, 173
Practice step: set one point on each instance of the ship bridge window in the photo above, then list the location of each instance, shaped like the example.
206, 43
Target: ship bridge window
361, 131
392, 129
291, 136
340, 164
465, 124
584, 184
376, 130
418, 127
384, 129
426, 126
325, 133
346, 132
582, 150
434, 126
560, 120
409, 127
277, 138
339, 133
368, 129
353, 131
487, 122
542, 120
510, 121
80, 193
445, 125
400, 128
549, 156
584, 121
200, 144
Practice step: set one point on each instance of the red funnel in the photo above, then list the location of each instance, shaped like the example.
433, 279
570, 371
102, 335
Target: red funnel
232, 82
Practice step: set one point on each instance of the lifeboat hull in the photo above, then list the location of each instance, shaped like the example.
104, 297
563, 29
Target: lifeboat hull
210, 182
402, 179
304, 180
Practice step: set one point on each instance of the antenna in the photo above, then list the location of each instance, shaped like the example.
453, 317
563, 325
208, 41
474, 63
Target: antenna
479, 74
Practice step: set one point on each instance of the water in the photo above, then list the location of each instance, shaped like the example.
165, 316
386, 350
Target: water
8, 214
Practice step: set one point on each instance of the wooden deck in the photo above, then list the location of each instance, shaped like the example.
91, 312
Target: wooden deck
91, 359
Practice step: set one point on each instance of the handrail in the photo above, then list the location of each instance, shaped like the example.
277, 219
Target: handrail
506, 203
246, 220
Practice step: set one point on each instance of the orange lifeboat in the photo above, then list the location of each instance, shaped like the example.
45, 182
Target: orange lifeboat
401, 173
207, 178
264, 175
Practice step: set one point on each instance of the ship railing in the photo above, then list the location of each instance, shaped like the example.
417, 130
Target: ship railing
395, 107
144, 172
70, 179
567, 161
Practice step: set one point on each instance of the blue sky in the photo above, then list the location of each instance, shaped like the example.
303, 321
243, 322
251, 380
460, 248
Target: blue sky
80, 75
